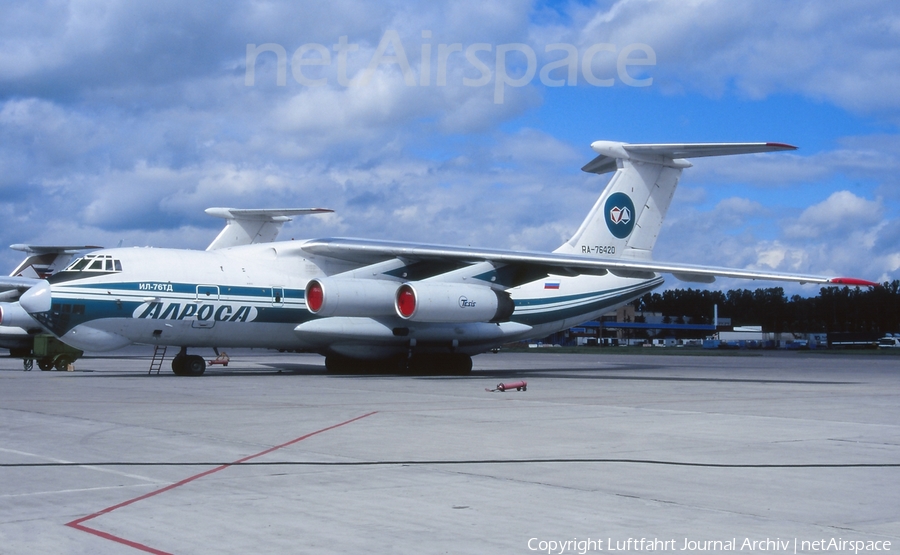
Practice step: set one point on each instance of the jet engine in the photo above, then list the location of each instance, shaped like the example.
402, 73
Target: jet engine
13, 315
350, 297
34, 300
452, 303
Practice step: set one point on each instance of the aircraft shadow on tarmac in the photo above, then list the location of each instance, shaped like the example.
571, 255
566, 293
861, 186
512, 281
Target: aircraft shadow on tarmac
560, 373
580, 373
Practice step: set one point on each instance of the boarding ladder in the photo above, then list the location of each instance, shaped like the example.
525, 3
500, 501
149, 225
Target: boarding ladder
159, 353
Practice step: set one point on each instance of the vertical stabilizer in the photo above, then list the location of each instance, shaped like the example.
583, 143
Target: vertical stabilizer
626, 219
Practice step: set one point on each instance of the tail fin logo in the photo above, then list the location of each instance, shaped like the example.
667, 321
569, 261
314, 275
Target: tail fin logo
619, 215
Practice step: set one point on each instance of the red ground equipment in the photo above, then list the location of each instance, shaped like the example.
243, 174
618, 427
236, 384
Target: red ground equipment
221, 359
520, 385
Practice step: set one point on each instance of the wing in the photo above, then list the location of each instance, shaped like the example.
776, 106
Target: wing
370, 252
42, 261
246, 226
11, 287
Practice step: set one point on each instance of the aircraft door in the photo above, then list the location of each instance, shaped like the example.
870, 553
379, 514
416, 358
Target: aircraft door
207, 297
278, 297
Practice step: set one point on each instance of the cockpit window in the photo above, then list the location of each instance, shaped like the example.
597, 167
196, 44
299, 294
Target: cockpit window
95, 263
78, 265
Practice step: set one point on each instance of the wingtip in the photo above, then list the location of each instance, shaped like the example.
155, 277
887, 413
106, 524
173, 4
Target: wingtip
781, 146
852, 281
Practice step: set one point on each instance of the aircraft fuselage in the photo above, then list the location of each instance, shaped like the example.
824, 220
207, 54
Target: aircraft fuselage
254, 296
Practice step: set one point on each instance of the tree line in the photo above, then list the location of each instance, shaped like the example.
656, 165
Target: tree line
834, 309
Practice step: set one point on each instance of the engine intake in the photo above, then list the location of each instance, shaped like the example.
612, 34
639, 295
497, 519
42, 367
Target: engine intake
452, 303
350, 297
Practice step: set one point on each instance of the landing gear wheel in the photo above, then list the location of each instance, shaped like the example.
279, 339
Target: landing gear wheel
461, 365
337, 364
188, 365
28, 364
45, 364
178, 365
62, 363
194, 365
451, 364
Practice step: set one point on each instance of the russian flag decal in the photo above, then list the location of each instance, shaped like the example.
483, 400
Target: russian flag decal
551, 285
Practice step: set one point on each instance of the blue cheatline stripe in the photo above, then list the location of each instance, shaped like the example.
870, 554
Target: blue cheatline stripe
604, 299
581, 296
97, 307
185, 288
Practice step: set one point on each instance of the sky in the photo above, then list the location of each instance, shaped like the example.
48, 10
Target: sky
463, 122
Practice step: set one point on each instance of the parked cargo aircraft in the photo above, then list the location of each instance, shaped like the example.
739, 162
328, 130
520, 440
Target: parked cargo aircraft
376, 304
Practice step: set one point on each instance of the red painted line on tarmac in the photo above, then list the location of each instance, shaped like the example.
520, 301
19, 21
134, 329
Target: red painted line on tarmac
77, 524
117, 539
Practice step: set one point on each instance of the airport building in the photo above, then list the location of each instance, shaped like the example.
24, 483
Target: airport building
627, 327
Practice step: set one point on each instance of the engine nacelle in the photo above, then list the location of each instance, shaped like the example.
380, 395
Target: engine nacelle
452, 303
13, 315
350, 297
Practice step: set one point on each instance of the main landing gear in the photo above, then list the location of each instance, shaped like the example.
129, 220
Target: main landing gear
188, 365
453, 364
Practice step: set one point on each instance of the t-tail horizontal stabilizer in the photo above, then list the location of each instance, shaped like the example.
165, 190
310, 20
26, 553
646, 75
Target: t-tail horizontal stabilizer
247, 226
669, 154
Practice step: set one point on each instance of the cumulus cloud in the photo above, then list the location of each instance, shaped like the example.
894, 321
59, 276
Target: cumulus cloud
842, 213
820, 49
